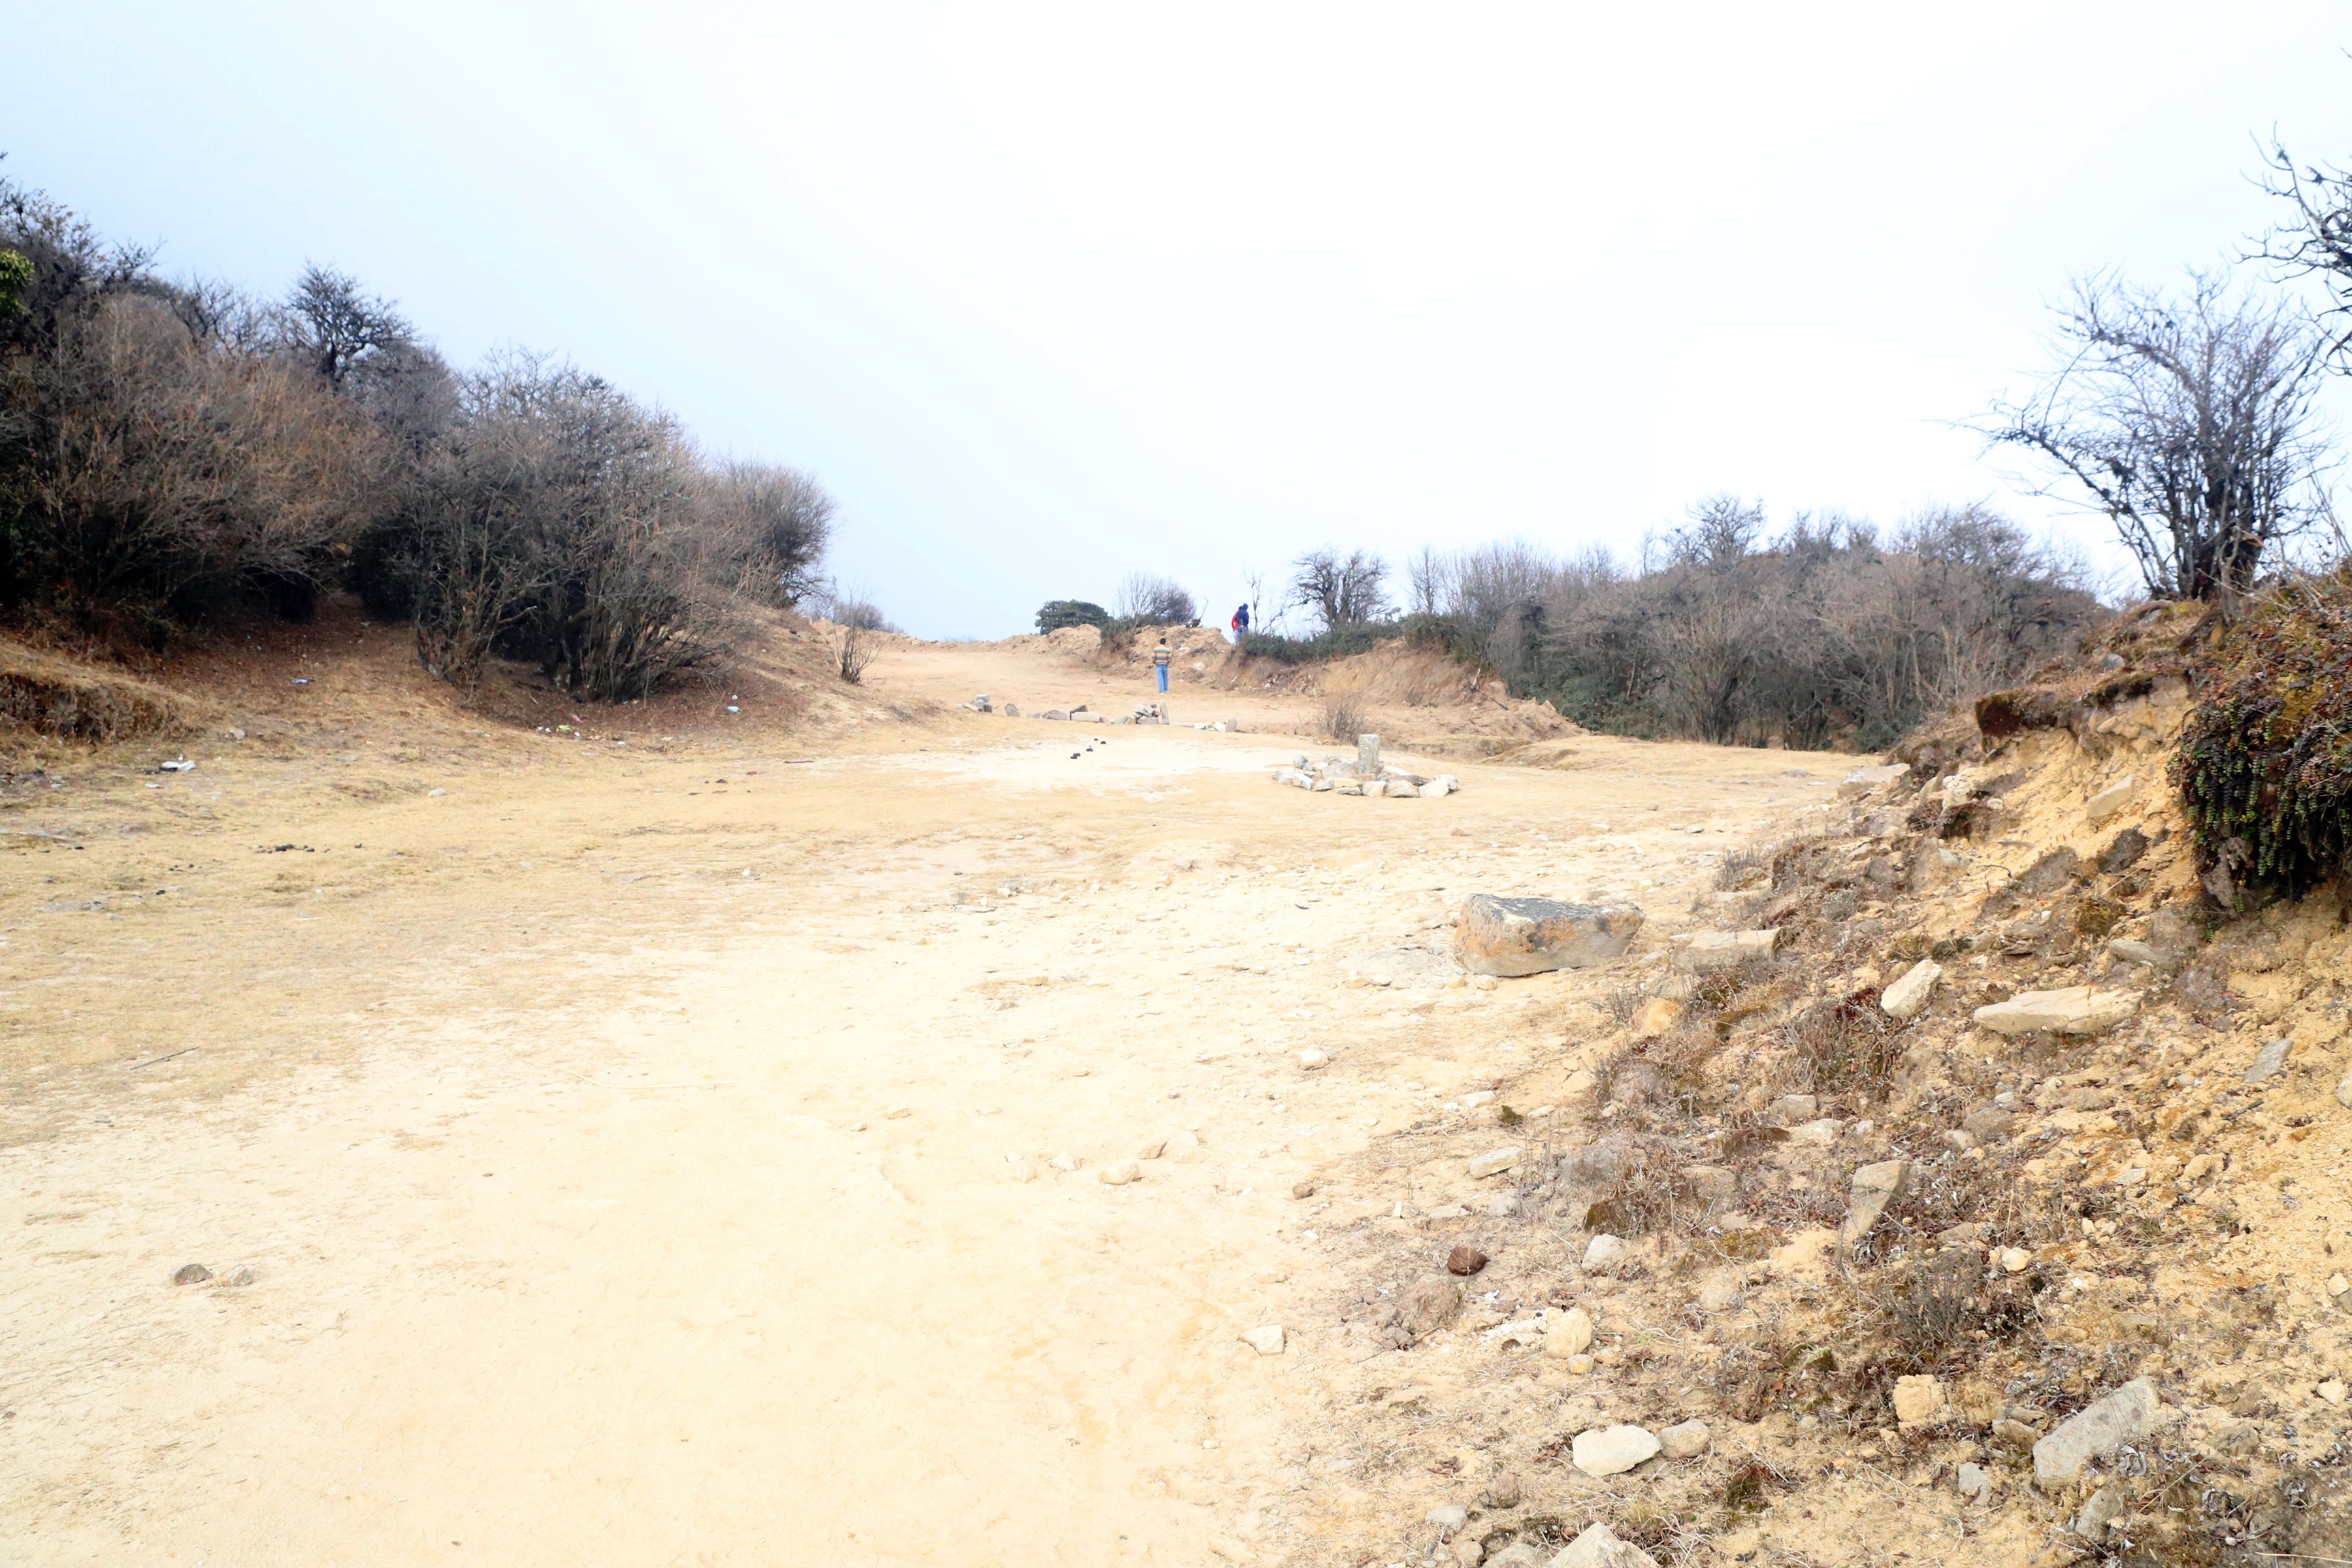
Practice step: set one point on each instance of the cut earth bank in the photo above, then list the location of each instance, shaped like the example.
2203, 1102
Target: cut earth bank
694, 1150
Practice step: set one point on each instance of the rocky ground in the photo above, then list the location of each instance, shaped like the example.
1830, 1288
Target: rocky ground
809, 1120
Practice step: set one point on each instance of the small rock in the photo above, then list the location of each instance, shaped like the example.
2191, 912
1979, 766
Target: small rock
1532, 936
1598, 1547
2331, 1391
1973, 1482
2097, 1431
1503, 1491
1792, 1108
191, 1274
2109, 801
2091, 1524
245, 1276
1430, 1305
1908, 996
2344, 1090
1578, 1365
1266, 1340
1720, 1293
1495, 1162
1821, 1134
1684, 1441
1861, 781
1122, 1174
1655, 1016
2075, 1010
1711, 951
1874, 1186
2014, 1433
1153, 1148
1569, 1334
2131, 952
1448, 1517
1302, 1189
1918, 1401
2014, 1259
1310, 1058
1464, 1260
1989, 1125
1613, 1450
1064, 1162
2268, 1062
1603, 1250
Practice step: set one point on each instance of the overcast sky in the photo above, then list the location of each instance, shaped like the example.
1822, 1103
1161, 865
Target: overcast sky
1047, 294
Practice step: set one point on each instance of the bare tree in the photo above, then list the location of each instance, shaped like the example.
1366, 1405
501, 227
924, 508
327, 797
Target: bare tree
2189, 422
1428, 576
332, 324
1155, 600
1341, 591
2319, 240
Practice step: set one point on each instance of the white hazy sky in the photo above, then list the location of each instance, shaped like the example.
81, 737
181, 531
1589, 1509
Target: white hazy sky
1045, 294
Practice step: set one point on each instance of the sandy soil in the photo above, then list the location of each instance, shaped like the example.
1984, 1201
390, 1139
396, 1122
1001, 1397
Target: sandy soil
687, 1151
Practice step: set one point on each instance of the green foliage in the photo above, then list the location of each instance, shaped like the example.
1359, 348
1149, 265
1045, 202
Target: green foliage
1060, 613
2265, 761
15, 284
1337, 642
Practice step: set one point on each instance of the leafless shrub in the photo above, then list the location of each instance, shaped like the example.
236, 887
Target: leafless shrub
1848, 1045
853, 650
1343, 717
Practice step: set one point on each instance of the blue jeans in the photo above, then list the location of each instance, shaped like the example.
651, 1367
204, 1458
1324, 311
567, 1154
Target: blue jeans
1162, 670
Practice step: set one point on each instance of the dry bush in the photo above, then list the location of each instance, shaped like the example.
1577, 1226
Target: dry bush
852, 652
1343, 716
1848, 1046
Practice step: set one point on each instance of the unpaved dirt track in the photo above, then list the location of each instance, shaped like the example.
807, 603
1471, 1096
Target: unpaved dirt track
637, 1176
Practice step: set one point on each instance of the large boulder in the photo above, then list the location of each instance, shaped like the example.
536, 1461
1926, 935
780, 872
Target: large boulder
2075, 1010
1533, 936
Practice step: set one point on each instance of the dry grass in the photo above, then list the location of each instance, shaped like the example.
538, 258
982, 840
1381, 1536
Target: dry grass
55, 697
1343, 716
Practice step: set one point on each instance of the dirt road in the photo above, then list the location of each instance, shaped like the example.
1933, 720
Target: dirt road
693, 1154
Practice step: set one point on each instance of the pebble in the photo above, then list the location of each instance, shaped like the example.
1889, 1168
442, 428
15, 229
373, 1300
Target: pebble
1613, 1450
1153, 1148
1448, 1516
1310, 1058
1265, 1341
191, 1274
1973, 1482
245, 1276
1302, 1189
2331, 1391
1119, 1176
1684, 1441
1603, 1249
2014, 1259
1464, 1260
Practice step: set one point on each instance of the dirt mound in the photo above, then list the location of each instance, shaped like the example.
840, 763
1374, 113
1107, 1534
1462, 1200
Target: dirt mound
51, 695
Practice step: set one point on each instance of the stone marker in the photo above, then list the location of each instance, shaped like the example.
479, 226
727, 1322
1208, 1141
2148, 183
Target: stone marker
2097, 1430
2109, 801
1600, 1547
2075, 1010
1613, 1450
1908, 997
1266, 1340
1711, 951
1684, 1441
1532, 936
1368, 755
1874, 1187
